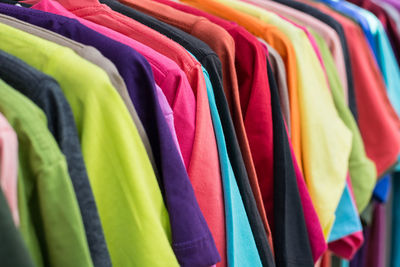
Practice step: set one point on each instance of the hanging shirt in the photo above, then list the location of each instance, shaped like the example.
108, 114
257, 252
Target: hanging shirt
241, 246
47, 95
87, 88
50, 222
291, 201
9, 166
361, 169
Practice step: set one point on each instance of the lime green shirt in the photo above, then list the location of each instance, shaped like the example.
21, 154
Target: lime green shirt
131, 208
50, 222
326, 141
362, 170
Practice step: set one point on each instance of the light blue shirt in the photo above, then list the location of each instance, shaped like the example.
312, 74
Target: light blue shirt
241, 246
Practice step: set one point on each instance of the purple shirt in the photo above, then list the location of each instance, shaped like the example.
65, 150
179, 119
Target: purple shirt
191, 238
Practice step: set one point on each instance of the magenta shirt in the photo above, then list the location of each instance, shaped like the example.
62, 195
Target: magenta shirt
9, 166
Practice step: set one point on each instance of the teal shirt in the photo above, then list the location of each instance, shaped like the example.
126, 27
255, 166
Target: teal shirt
241, 246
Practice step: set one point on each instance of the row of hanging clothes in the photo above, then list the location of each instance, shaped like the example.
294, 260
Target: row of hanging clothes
200, 133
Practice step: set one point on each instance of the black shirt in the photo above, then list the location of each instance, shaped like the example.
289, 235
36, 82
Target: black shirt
290, 236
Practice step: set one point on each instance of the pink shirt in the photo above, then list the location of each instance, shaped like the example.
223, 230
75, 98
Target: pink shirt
329, 35
167, 75
9, 166
203, 161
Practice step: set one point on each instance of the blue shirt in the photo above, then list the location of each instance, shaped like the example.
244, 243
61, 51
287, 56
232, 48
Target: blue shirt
241, 246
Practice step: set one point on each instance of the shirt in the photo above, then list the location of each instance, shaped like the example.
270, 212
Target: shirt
317, 163
361, 169
211, 204
291, 239
247, 43
119, 153
9, 166
47, 95
13, 251
64, 243
241, 246
131, 66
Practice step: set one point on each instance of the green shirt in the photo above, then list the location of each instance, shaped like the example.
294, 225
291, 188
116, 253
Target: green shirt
50, 221
131, 208
362, 169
